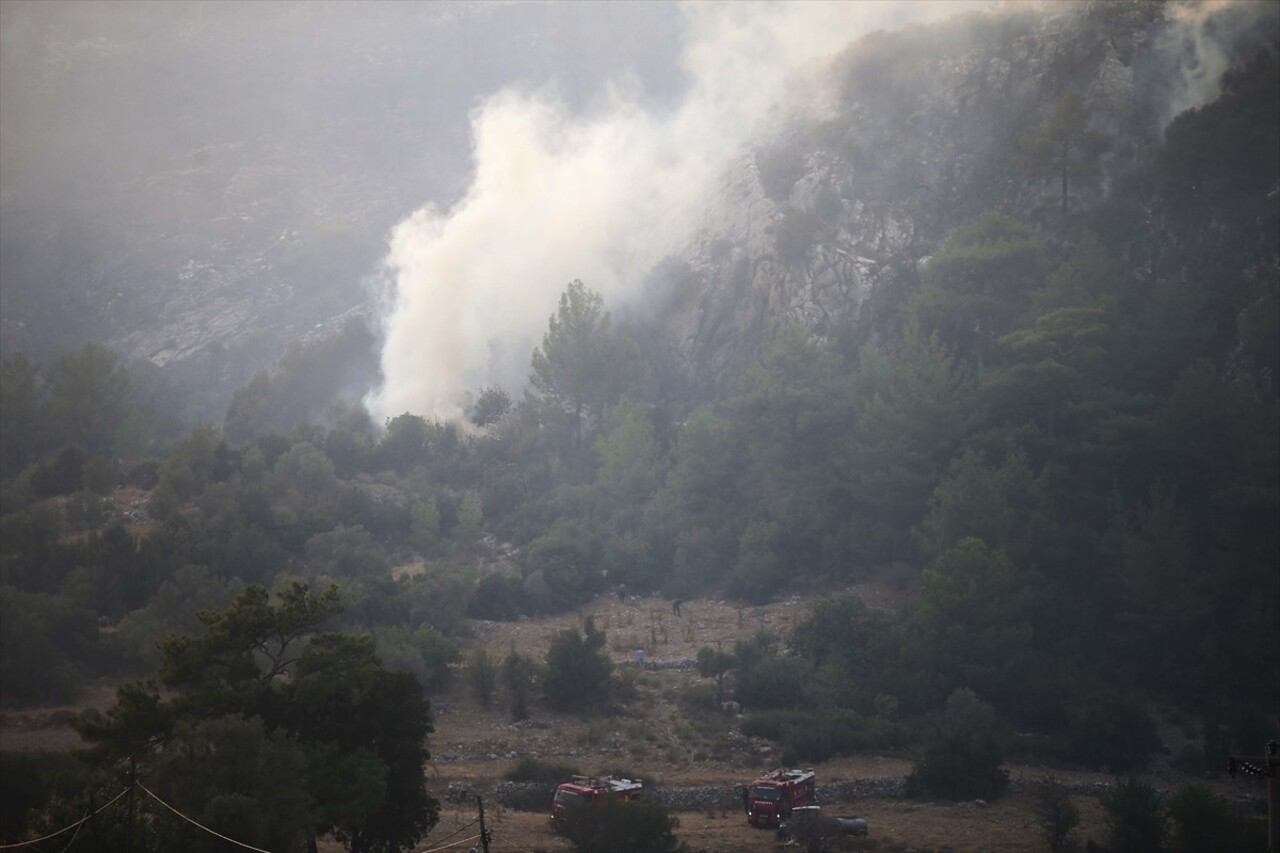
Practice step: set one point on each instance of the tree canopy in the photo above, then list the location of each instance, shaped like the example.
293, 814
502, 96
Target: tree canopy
262, 676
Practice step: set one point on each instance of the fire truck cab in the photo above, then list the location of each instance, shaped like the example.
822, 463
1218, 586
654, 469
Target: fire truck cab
771, 798
591, 789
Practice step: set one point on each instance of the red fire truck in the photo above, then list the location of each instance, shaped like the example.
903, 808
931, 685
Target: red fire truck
771, 798
591, 789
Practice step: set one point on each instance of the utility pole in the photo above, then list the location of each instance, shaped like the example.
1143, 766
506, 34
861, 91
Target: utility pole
133, 777
1263, 767
484, 833
93, 809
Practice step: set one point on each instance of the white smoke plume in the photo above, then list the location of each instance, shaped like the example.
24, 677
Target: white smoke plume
601, 195
1205, 34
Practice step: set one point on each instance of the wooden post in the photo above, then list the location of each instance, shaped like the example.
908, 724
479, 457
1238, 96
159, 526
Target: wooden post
484, 833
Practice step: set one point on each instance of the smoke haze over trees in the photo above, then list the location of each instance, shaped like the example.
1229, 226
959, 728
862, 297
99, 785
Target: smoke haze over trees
765, 300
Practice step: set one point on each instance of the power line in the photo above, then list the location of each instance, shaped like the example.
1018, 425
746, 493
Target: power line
75, 825
462, 828
506, 843
74, 836
198, 824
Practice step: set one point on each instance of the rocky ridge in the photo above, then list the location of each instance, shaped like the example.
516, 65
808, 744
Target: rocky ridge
834, 209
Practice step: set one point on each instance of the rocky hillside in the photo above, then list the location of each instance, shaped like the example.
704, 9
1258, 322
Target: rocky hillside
925, 129
199, 188
213, 248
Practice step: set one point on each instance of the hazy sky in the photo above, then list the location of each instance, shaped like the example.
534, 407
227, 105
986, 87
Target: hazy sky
538, 142
502, 149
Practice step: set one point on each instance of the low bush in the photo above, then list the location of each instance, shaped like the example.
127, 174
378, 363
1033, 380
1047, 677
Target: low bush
578, 669
28, 780
775, 682
497, 597
483, 675
1055, 813
1107, 730
770, 724
1134, 818
642, 826
1204, 822
962, 755
699, 698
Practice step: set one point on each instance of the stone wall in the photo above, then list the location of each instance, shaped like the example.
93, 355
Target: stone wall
531, 795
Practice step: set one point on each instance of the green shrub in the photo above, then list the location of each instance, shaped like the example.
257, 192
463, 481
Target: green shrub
61, 475
775, 682
565, 560
1134, 821
699, 698
101, 475
758, 574
578, 670
44, 640
1107, 730
813, 737
425, 652
771, 724
638, 826
143, 473
15, 496
1055, 814
483, 676
28, 780
962, 756
518, 673
815, 742
497, 597
1203, 822
624, 686
713, 663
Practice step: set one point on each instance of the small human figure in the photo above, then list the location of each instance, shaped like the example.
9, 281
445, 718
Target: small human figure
675, 606
640, 658
622, 592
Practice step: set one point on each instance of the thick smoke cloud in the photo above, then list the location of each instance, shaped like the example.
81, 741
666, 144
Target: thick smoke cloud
600, 195
1204, 36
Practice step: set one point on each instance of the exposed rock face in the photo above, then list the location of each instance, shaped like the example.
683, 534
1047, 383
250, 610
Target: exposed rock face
208, 267
216, 260
925, 134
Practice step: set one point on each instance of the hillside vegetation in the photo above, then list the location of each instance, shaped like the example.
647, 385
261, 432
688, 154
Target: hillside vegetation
1050, 425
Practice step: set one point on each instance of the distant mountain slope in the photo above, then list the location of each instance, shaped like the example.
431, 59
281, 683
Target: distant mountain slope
930, 127
226, 236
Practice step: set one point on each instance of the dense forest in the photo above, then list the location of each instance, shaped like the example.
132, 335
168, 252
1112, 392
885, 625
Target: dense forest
1060, 429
